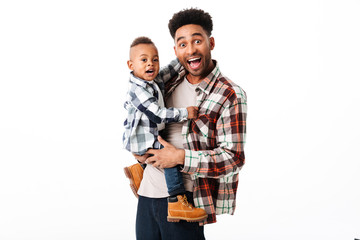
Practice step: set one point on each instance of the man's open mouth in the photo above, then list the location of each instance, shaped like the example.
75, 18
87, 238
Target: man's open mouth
194, 62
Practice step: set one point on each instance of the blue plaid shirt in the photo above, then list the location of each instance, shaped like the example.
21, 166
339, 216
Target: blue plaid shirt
144, 112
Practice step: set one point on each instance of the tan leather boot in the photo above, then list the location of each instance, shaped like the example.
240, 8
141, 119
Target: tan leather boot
135, 174
181, 209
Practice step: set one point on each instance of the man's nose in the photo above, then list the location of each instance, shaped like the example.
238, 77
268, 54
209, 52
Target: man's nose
190, 49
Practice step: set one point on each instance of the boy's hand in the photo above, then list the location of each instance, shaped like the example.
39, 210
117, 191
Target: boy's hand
192, 112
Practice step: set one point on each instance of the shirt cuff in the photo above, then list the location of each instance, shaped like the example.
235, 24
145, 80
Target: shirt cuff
191, 161
183, 114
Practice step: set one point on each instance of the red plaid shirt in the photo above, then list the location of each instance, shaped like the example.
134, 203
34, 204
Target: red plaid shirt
214, 142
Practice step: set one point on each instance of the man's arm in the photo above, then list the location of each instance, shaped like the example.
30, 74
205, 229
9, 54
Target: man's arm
171, 70
228, 157
222, 161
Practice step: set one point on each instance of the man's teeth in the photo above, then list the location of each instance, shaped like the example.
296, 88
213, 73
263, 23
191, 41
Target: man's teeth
194, 59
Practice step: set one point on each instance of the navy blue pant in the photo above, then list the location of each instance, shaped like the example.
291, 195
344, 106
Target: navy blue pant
152, 224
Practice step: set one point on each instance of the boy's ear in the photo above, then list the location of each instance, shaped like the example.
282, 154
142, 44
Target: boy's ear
130, 65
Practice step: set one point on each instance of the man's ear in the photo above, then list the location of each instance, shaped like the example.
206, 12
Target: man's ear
212, 43
130, 65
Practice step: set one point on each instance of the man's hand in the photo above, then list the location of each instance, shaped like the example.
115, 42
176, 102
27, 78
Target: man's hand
167, 157
141, 158
192, 112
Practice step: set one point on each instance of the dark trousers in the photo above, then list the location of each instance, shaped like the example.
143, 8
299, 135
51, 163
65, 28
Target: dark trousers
152, 224
174, 181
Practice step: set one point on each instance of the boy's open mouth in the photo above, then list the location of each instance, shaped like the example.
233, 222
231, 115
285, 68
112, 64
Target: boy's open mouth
194, 62
150, 71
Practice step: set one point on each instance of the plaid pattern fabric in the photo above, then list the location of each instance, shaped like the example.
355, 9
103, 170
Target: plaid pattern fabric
144, 112
214, 142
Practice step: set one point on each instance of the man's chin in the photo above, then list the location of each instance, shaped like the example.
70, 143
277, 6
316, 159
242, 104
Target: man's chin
195, 73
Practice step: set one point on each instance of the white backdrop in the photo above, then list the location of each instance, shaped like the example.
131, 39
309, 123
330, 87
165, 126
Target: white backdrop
63, 80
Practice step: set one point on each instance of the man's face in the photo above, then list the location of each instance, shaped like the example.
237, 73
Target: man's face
193, 49
144, 61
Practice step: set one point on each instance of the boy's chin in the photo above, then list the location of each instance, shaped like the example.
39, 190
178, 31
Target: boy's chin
149, 76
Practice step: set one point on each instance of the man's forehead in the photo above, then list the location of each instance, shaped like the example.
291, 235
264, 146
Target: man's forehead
189, 30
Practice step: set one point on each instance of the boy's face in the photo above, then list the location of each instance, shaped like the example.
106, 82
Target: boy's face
144, 61
193, 49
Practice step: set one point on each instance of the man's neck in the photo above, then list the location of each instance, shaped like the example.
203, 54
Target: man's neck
194, 79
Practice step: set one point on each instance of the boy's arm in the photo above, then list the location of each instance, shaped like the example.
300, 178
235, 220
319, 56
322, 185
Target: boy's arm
172, 69
145, 102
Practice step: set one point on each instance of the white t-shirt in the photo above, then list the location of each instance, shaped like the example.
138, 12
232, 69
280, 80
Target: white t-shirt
153, 184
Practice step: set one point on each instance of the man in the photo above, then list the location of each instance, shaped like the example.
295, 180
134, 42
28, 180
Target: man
209, 149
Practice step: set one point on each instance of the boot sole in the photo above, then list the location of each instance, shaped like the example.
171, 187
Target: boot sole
132, 184
177, 219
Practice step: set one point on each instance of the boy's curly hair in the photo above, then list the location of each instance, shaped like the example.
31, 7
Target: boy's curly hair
140, 40
190, 16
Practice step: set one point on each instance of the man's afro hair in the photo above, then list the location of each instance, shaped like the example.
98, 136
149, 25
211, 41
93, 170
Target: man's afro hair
190, 16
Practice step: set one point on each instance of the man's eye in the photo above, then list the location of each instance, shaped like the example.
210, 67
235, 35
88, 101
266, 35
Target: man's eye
182, 45
197, 41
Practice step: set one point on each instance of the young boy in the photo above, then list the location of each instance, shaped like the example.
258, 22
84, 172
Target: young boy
147, 114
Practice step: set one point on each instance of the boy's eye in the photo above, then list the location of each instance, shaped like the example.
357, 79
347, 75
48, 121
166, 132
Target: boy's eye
156, 60
144, 59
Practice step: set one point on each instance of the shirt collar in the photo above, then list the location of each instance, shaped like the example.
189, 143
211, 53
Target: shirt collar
207, 83
139, 81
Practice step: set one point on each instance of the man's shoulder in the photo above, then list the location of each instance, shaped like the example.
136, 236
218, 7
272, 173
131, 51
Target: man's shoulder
229, 86
159, 81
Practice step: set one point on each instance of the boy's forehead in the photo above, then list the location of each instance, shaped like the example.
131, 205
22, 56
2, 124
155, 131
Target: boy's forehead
142, 48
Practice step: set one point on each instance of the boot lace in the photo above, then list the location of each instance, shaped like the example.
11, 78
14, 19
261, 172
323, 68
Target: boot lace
185, 202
